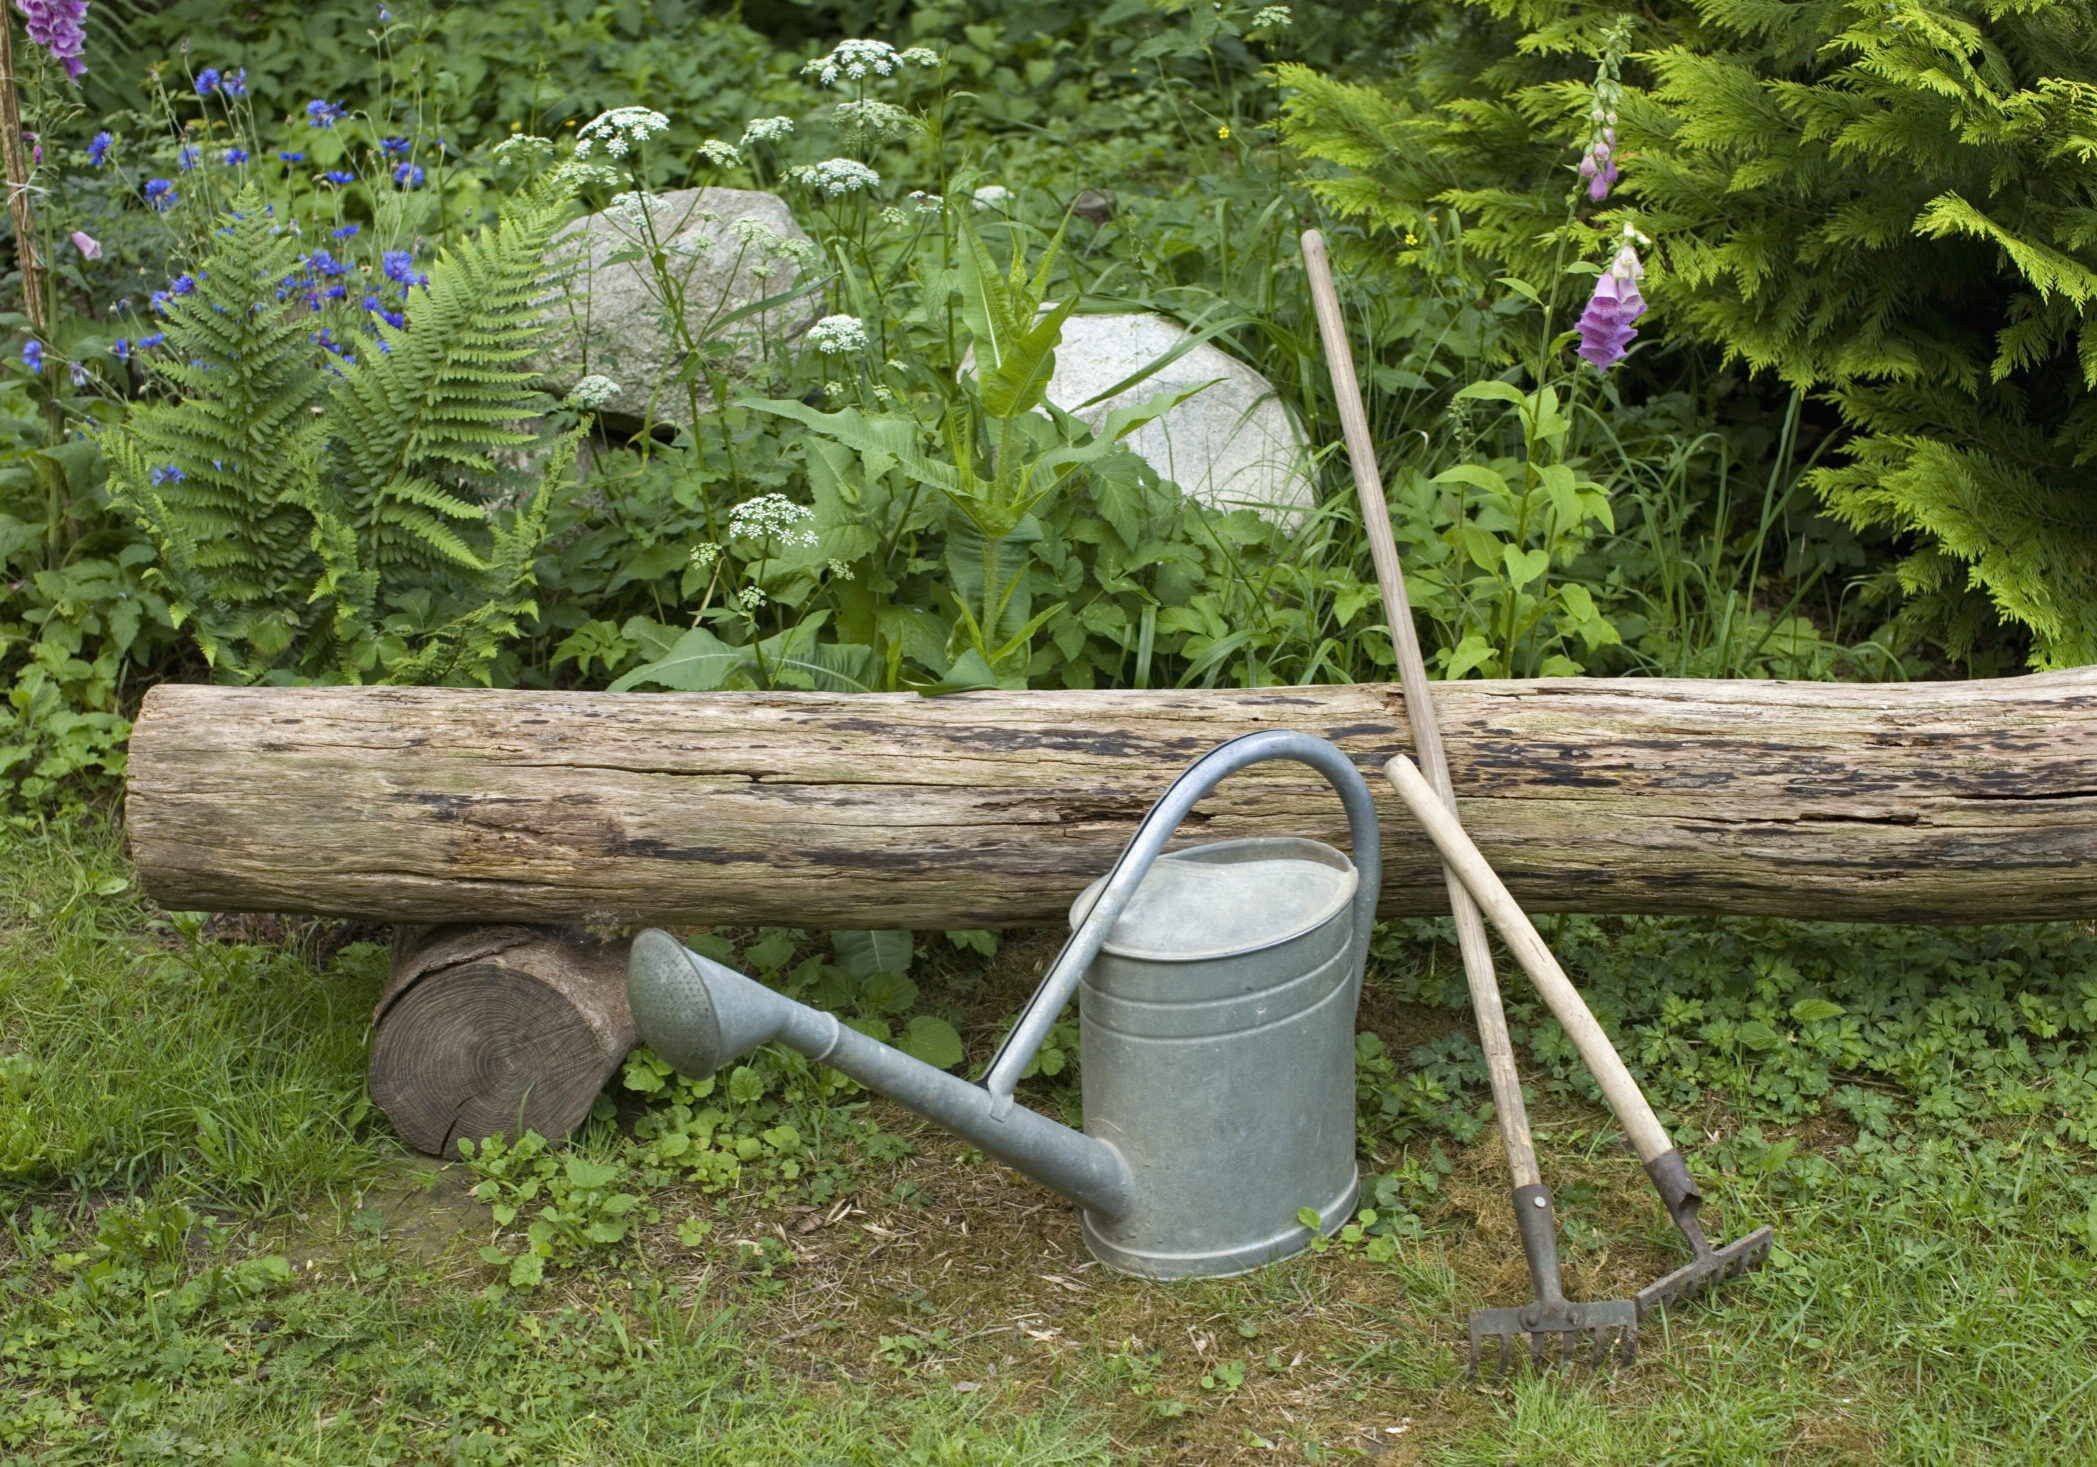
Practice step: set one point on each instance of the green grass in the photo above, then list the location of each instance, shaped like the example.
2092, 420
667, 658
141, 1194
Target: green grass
212, 1250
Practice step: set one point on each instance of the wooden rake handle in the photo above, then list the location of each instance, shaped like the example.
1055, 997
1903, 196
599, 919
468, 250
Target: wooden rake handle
1464, 859
1419, 708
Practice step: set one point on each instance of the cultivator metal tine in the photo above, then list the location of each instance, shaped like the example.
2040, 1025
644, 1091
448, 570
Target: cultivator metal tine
1595, 1335
1704, 1273
1708, 1267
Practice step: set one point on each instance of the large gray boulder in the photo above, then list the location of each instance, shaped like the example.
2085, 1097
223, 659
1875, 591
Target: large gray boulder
725, 248
1232, 446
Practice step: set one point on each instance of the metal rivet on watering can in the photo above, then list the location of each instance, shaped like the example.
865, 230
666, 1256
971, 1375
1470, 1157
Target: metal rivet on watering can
1217, 990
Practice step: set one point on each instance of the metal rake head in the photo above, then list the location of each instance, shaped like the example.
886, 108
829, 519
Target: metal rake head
1587, 1334
1710, 1268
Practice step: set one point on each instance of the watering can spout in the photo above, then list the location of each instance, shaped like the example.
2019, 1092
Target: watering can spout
700, 1016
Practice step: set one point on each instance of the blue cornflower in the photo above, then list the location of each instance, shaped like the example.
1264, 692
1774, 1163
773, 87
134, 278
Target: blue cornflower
292, 157
408, 175
162, 301
346, 231
323, 114
120, 349
393, 145
207, 81
167, 474
236, 155
399, 267
235, 84
33, 355
160, 193
183, 284
339, 176
98, 150
147, 343
187, 158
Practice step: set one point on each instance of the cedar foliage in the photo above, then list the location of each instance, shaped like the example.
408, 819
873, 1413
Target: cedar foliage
1889, 204
333, 518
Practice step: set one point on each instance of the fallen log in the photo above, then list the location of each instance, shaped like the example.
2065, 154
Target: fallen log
1926, 802
496, 1030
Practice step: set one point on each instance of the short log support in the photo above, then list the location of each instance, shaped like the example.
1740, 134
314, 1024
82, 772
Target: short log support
487, 1030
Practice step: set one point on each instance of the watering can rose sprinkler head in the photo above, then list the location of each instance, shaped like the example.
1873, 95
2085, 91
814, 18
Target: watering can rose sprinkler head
1217, 991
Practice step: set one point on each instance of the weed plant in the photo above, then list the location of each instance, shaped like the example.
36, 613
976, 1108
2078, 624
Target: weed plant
207, 1235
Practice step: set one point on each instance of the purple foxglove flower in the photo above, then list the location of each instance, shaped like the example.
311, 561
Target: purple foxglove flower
60, 27
1609, 322
90, 248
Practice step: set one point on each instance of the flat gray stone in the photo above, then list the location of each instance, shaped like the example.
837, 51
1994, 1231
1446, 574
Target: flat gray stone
1231, 446
609, 317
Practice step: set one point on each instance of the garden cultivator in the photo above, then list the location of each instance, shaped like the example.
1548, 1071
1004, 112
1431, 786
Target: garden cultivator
1592, 1331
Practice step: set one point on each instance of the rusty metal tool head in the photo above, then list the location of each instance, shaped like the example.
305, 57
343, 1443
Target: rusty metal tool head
1710, 1266
1596, 1333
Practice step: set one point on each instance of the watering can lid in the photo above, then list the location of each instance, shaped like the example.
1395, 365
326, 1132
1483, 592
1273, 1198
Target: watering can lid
1231, 896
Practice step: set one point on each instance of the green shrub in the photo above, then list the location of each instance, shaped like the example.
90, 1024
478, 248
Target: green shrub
1878, 204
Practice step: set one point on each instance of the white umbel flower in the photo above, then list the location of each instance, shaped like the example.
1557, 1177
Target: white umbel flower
619, 129
835, 177
766, 130
833, 336
875, 119
858, 60
773, 517
635, 210
992, 196
720, 154
592, 392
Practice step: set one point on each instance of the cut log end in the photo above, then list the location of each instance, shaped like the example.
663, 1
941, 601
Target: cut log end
495, 1031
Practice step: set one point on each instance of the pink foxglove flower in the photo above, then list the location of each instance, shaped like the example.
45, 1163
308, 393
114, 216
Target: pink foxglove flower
59, 26
90, 248
1609, 322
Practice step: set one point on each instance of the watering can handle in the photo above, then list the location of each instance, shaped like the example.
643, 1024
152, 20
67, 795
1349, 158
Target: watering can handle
1144, 847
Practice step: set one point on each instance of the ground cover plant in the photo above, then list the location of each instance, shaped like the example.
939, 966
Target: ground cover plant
215, 1251
278, 407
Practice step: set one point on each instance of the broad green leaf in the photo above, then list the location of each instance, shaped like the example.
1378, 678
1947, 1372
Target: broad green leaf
863, 954
887, 993
1472, 651
1476, 475
1556, 480
1021, 380
932, 1040
875, 439
1494, 392
591, 1174
1524, 566
1812, 1010
700, 662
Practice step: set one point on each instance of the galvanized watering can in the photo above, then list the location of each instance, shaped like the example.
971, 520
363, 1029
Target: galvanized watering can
1217, 990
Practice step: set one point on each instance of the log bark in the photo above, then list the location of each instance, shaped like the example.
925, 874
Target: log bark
1929, 802
496, 1030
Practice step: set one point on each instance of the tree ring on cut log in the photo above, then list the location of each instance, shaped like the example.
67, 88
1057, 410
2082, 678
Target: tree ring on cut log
497, 1030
